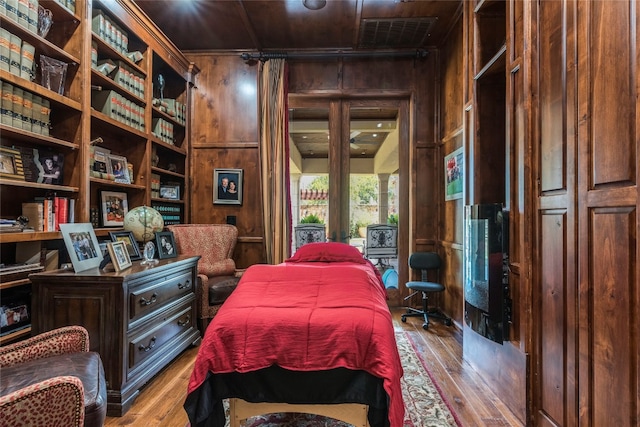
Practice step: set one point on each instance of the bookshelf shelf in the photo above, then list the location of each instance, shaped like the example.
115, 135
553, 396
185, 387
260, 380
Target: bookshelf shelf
27, 136
37, 185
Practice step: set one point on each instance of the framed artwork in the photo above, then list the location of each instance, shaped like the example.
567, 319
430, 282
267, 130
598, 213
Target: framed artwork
11, 164
170, 191
129, 241
119, 255
82, 245
454, 174
119, 169
166, 245
113, 207
227, 188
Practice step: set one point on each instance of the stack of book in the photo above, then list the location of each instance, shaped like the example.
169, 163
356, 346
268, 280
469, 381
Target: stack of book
47, 213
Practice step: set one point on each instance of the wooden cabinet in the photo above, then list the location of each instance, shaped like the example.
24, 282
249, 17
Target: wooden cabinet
488, 183
139, 319
138, 110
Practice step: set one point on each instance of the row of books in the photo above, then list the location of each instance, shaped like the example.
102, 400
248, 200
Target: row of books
109, 32
155, 185
163, 130
24, 110
119, 108
122, 74
166, 208
16, 55
22, 12
47, 213
173, 108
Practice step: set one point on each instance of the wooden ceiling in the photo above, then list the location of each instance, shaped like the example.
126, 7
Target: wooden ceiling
268, 25
341, 26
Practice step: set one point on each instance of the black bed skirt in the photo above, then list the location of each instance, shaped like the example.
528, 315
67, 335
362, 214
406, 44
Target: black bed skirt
277, 385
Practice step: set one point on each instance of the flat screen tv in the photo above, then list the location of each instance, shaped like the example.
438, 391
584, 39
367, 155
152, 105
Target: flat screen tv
486, 288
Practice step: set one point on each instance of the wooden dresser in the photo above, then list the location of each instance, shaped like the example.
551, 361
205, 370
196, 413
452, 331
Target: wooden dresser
139, 319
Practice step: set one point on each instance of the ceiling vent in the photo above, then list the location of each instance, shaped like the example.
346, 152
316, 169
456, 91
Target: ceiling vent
395, 33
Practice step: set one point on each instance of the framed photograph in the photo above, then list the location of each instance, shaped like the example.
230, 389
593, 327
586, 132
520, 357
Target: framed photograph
11, 164
100, 165
454, 174
50, 166
170, 191
113, 207
227, 186
119, 255
166, 245
119, 169
129, 241
82, 245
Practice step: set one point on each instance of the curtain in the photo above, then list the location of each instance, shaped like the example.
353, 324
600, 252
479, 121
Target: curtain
274, 160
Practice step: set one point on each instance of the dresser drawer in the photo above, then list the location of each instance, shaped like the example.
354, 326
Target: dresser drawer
147, 297
160, 338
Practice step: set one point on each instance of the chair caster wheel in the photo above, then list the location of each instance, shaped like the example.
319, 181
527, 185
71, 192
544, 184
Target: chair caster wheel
425, 326
404, 319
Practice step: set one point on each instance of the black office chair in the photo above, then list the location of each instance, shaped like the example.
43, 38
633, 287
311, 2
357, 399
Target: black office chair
425, 261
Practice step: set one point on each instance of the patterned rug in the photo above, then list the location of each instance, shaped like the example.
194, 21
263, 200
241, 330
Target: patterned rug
424, 405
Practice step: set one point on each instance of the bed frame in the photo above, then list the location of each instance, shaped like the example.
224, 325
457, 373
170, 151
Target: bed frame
352, 413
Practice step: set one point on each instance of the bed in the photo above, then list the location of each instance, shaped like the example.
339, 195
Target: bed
314, 332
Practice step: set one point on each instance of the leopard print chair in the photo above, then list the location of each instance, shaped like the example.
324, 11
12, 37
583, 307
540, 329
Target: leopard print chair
52, 379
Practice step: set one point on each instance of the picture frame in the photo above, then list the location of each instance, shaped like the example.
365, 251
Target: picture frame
454, 174
166, 245
114, 205
119, 255
11, 164
82, 245
170, 191
129, 241
100, 165
223, 192
119, 169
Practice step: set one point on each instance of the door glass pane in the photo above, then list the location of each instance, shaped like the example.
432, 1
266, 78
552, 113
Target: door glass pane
373, 139
309, 166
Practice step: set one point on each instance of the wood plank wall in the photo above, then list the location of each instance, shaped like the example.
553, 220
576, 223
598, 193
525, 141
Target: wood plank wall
586, 363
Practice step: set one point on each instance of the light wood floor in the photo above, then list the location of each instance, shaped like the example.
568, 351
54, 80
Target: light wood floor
160, 402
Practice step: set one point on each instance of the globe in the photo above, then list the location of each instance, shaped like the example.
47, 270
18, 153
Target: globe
143, 222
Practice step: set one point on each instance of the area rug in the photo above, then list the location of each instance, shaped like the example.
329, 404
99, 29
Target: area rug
424, 404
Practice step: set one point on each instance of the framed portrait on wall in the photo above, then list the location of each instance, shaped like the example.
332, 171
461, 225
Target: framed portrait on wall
227, 188
454, 174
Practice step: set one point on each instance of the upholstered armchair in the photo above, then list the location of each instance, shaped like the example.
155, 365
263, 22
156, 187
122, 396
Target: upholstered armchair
52, 379
217, 276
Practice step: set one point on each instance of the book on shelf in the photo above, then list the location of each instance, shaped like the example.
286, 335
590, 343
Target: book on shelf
61, 209
15, 49
4, 49
34, 211
6, 104
12, 10
27, 54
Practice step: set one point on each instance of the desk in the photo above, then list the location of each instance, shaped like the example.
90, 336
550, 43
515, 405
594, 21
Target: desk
138, 319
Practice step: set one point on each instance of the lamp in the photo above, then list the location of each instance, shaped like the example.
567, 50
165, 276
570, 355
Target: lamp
314, 4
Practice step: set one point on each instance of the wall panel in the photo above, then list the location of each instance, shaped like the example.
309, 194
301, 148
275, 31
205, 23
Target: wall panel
612, 82
613, 342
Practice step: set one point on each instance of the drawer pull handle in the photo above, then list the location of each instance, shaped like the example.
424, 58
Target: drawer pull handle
152, 343
185, 322
144, 301
186, 285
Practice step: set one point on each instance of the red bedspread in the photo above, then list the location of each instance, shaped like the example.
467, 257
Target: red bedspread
305, 317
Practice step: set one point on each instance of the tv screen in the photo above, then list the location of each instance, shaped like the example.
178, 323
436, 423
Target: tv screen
485, 257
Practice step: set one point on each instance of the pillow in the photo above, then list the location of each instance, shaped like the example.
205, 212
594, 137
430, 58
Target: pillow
327, 252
